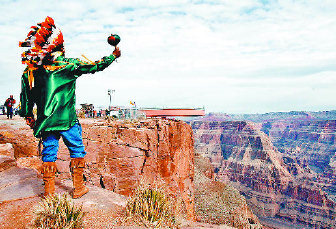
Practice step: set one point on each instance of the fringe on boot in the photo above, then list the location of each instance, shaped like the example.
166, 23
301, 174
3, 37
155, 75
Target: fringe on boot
77, 168
49, 170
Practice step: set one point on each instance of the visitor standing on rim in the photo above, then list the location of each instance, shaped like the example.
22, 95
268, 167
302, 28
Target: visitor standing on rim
9, 104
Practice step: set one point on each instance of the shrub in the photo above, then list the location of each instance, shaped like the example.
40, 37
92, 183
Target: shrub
58, 212
152, 206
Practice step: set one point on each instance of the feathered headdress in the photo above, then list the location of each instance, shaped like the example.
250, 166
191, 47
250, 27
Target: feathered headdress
42, 40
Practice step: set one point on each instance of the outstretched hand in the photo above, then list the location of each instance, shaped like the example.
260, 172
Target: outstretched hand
116, 52
30, 121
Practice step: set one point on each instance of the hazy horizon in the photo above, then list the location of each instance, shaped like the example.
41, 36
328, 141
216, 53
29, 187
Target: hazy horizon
316, 111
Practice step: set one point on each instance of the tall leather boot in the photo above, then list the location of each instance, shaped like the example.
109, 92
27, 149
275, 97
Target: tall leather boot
77, 168
48, 171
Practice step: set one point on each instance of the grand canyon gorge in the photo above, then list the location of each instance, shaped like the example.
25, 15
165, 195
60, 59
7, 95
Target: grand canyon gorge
283, 163
120, 154
275, 170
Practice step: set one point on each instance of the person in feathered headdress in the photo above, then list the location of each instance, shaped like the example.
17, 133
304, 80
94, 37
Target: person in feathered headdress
49, 81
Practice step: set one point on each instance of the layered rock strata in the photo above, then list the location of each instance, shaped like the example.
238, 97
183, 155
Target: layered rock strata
275, 185
311, 143
216, 202
120, 154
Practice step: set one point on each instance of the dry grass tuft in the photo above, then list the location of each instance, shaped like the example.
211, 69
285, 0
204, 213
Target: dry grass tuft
151, 206
58, 211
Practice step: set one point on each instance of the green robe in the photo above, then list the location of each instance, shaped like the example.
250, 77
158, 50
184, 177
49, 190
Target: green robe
54, 92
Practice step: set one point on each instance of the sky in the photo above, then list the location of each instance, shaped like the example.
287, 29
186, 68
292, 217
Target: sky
226, 56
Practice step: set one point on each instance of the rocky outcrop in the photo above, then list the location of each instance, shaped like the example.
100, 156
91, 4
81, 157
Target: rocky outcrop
19, 136
122, 153
312, 142
21, 188
217, 202
275, 185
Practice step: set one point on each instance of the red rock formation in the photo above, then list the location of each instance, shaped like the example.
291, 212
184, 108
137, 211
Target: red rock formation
21, 138
274, 185
313, 142
216, 202
121, 153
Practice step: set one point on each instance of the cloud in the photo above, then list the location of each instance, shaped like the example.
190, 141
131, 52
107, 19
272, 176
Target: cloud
238, 56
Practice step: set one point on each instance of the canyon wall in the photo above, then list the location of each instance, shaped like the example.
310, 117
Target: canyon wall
277, 186
220, 203
311, 143
122, 153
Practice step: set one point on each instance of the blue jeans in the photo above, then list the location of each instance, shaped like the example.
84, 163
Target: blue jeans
9, 112
72, 138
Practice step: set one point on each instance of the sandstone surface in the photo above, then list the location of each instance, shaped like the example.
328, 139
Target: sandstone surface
164, 147
120, 154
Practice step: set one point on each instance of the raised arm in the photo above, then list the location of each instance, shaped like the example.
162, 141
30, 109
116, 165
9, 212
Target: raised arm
79, 67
